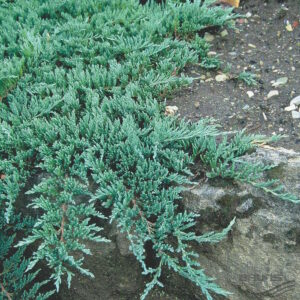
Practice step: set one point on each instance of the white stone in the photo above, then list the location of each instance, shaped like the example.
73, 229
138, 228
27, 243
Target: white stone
291, 107
280, 81
250, 94
295, 101
221, 78
295, 114
211, 53
272, 93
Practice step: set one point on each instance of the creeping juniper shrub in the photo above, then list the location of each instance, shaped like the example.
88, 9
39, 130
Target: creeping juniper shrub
80, 83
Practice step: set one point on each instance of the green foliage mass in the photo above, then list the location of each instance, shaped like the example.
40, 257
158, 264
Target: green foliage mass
80, 83
248, 78
13, 283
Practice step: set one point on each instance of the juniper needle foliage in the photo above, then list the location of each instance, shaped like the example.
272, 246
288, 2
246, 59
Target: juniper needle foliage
13, 283
79, 85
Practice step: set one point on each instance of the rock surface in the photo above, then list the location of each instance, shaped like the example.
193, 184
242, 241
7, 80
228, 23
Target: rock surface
262, 256
260, 259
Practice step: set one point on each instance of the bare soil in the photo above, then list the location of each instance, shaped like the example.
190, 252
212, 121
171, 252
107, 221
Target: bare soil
263, 46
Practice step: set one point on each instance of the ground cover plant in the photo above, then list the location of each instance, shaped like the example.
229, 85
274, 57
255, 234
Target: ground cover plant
80, 87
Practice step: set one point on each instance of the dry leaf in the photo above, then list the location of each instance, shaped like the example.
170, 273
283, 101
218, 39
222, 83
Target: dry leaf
295, 24
234, 3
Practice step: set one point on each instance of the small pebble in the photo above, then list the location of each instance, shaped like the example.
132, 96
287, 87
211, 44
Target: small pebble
197, 104
295, 114
221, 78
295, 101
265, 117
251, 45
224, 33
291, 107
272, 93
212, 53
245, 207
246, 107
208, 37
250, 94
280, 81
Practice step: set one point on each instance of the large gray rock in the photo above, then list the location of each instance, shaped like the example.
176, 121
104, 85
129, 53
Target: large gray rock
261, 258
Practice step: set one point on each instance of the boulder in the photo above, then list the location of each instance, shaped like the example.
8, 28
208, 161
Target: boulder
261, 257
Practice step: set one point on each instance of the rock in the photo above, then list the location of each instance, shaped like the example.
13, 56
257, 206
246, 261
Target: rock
263, 251
221, 77
208, 37
204, 198
171, 110
295, 114
245, 207
280, 81
197, 104
250, 94
211, 53
295, 101
121, 240
224, 33
291, 107
272, 93
248, 14
265, 117
251, 46
246, 107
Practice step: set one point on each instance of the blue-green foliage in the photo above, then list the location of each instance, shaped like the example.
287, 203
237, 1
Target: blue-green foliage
13, 283
80, 82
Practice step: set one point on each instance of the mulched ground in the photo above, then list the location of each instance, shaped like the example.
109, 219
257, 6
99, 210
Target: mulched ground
262, 45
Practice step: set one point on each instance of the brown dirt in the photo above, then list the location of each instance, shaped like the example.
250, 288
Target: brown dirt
276, 54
